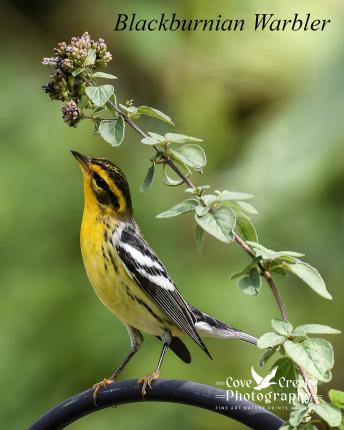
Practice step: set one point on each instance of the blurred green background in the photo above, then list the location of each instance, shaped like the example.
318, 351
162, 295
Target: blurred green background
270, 109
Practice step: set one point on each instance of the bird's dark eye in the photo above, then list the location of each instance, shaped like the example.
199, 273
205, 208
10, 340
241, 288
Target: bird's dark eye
100, 182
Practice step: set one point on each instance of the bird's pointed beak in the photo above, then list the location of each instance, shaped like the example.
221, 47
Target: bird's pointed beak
83, 160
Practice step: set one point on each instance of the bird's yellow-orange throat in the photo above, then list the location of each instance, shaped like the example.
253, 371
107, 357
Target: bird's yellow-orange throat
109, 278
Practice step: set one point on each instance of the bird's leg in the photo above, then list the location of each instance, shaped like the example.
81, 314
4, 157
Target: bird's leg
148, 379
136, 342
107, 381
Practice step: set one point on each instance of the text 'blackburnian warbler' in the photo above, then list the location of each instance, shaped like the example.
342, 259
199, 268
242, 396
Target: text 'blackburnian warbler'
129, 278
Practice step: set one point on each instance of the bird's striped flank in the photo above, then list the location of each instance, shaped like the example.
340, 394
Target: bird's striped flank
154, 279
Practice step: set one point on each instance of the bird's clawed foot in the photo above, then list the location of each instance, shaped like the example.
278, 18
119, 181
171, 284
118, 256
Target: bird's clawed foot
147, 380
99, 386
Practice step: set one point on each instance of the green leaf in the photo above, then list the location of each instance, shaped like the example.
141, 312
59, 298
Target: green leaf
129, 109
283, 254
282, 257
90, 57
208, 199
156, 136
181, 138
269, 340
152, 139
199, 237
269, 254
191, 155
278, 270
314, 355
100, 109
219, 223
154, 113
170, 181
260, 250
285, 369
267, 354
337, 398
282, 327
99, 95
112, 130
149, 178
202, 210
234, 195
180, 208
149, 141
247, 207
328, 413
310, 276
77, 71
103, 75
246, 270
304, 329
251, 284
297, 415
239, 274
246, 228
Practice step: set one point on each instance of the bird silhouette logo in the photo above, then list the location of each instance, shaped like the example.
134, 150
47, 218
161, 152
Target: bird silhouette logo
263, 382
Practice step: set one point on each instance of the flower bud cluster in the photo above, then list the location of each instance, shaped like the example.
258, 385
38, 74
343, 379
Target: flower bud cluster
66, 81
71, 113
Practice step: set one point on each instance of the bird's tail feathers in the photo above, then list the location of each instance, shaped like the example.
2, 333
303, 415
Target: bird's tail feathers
211, 327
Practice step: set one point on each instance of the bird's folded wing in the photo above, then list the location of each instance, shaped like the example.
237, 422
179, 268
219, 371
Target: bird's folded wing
144, 266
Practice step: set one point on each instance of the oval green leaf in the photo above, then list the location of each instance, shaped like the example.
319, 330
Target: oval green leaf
251, 283
154, 113
297, 415
310, 276
282, 327
269, 340
192, 155
218, 223
199, 237
181, 138
337, 398
315, 329
328, 413
247, 229
180, 208
99, 95
112, 130
103, 75
90, 57
314, 355
234, 195
149, 178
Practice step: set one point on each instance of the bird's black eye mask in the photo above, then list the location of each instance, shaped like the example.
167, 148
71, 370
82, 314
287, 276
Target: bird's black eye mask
100, 182
103, 193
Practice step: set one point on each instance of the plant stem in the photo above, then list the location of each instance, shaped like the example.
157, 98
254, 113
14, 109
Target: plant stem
142, 133
190, 184
309, 385
267, 276
276, 293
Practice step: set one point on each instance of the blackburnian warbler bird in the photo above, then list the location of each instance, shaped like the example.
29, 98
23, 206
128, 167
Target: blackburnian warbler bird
129, 278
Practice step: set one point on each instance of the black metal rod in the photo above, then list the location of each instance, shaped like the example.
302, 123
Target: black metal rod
163, 390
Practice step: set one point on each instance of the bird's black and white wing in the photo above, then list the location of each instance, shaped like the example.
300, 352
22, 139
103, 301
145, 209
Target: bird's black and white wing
144, 266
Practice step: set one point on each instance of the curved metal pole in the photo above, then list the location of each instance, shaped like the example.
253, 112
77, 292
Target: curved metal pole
164, 390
